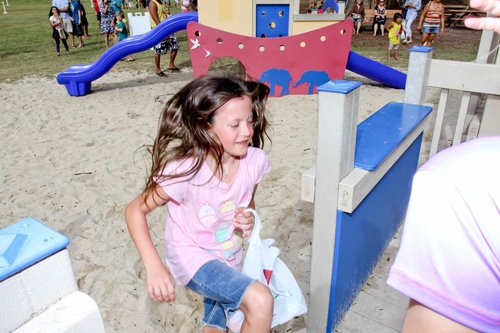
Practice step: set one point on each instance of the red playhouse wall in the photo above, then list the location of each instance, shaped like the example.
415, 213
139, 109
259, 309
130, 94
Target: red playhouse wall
289, 65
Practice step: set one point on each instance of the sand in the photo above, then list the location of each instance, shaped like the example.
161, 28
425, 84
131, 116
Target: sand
75, 162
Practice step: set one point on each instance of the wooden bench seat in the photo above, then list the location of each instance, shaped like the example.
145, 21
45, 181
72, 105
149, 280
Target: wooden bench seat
458, 13
378, 135
369, 15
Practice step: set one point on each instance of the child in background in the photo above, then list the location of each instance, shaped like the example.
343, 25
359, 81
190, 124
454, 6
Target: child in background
431, 22
84, 22
121, 30
206, 164
58, 32
107, 21
395, 29
76, 15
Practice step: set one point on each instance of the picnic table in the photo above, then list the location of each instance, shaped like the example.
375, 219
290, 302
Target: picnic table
457, 13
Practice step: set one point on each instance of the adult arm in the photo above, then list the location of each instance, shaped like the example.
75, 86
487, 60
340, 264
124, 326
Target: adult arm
420, 318
160, 283
422, 16
349, 12
442, 18
153, 12
417, 5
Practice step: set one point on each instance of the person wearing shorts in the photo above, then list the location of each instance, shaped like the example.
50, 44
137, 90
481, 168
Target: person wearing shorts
395, 29
220, 301
159, 11
448, 261
431, 22
357, 14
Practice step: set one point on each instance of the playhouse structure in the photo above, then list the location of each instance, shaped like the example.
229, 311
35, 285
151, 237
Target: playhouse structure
361, 182
273, 41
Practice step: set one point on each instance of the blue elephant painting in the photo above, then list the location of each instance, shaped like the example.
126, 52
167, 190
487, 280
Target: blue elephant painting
277, 77
313, 79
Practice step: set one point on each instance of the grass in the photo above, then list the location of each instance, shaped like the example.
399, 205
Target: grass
27, 47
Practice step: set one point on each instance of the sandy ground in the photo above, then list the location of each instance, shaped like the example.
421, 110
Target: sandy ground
75, 162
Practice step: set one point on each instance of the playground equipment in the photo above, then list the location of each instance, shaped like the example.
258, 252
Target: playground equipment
78, 78
360, 187
295, 55
37, 286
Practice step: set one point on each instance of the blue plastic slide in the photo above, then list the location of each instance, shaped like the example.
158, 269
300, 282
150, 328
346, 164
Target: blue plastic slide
376, 71
78, 78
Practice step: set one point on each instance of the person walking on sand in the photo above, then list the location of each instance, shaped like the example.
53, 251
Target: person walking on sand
206, 164
412, 8
65, 13
431, 22
58, 33
379, 18
158, 12
395, 30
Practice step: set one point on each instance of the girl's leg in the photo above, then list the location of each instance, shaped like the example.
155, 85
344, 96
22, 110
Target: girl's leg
65, 43
257, 305
424, 39
388, 54
430, 39
382, 27
106, 39
208, 329
57, 45
358, 26
396, 54
375, 28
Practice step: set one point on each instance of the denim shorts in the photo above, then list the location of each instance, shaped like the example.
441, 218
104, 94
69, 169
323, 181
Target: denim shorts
430, 30
223, 289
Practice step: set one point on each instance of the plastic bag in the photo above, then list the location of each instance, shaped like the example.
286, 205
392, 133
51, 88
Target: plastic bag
262, 263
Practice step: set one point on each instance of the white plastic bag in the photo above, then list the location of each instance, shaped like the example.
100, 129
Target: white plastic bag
262, 263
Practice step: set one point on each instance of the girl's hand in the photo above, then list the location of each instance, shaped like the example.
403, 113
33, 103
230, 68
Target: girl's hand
161, 284
243, 221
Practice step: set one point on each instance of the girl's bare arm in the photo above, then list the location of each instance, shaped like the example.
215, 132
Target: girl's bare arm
161, 285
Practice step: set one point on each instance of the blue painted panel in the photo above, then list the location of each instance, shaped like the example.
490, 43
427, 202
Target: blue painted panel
378, 135
272, 20
362, 236
26, 242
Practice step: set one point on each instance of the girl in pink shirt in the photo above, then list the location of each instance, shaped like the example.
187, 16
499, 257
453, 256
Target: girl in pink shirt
206, 164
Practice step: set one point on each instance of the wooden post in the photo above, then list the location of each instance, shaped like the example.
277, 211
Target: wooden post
418, 74
337, 120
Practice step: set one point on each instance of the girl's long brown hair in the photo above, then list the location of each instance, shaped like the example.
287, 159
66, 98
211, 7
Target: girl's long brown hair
183, 127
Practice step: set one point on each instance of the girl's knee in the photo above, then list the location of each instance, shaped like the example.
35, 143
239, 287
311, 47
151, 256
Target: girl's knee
258, 298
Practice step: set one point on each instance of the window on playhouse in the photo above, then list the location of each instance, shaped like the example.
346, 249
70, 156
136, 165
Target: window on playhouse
317, 7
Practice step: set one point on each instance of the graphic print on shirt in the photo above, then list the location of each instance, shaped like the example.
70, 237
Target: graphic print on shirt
223, 236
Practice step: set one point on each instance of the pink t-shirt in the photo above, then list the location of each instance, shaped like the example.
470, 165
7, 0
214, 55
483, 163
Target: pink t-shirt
200, 214
449, 259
